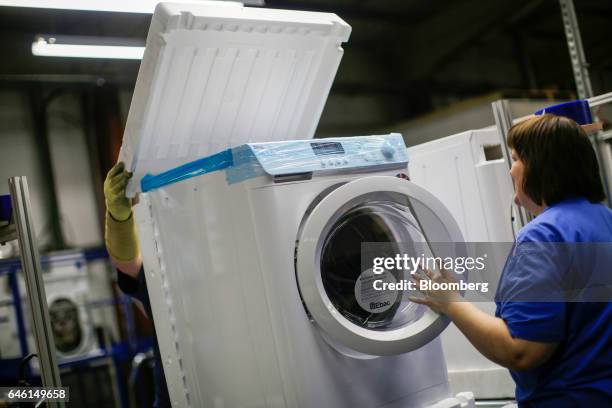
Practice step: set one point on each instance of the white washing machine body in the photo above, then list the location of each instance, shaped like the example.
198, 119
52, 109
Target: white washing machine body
247, 310
68, 293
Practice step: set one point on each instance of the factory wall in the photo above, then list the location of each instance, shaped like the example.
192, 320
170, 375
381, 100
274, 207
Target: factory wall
21, 155
79, 219
471, 114
72, 171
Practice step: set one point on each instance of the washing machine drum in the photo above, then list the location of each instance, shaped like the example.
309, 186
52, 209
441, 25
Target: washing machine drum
66, 325
373, 217
347, 284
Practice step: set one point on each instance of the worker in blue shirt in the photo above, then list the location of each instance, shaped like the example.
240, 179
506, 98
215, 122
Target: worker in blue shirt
122, 244
559, 352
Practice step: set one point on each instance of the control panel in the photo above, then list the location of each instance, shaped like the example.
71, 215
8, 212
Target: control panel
302, 156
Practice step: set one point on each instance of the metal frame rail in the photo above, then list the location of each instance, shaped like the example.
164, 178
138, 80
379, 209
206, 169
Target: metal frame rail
504, 121
30, 260
580, 66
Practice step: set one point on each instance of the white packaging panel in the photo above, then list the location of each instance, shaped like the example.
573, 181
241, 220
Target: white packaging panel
216, 75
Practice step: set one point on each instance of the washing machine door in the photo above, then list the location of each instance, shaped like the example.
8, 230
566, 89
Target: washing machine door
333, 280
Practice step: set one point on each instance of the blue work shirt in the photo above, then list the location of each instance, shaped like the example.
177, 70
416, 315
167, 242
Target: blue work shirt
137, 288
579, 373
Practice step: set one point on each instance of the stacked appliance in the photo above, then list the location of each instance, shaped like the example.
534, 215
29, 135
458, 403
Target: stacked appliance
68, 295
468, 174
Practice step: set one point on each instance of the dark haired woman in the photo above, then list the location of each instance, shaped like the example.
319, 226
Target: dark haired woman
559, 353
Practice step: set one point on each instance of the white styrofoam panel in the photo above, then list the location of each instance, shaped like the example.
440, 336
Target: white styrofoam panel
216, 76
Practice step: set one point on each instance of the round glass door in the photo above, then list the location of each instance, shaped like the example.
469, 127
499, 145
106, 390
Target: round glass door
347, 285
335, 285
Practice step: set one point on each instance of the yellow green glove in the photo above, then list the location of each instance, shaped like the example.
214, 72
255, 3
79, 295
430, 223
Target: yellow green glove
117, 204
120, 231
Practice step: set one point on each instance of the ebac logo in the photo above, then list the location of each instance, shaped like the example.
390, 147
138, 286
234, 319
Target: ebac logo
378, 305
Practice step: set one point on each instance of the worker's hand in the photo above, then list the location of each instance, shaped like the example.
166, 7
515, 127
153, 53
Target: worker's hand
120, 230
117, 204
438, 300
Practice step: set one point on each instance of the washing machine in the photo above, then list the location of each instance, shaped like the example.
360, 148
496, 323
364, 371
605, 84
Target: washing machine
68, 293
253, 265
251, 232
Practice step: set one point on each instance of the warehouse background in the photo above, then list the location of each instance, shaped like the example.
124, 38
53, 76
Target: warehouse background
424, 68
408, 66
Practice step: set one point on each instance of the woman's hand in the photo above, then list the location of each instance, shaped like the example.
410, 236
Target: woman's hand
488, 334
436, 299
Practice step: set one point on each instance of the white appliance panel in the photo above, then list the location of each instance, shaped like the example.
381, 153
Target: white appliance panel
466, 173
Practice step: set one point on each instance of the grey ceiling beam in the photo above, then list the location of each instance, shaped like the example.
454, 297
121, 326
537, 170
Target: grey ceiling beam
456, 29
347, 12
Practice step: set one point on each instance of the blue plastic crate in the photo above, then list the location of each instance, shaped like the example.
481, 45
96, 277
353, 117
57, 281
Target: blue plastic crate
579, 111
6, 208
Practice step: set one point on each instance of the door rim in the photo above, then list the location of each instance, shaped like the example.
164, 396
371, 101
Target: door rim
310, 284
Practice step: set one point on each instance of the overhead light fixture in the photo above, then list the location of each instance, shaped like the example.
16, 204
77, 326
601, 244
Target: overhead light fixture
87, 47
122, 6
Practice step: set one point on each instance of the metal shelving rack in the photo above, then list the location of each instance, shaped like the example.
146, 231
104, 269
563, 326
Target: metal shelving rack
31, 264
602, 141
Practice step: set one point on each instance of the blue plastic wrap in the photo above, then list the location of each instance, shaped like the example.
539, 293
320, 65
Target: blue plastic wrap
245, 165
291, 157
219, 161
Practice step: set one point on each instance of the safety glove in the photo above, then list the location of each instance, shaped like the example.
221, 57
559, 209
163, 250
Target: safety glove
120, 231
117, 204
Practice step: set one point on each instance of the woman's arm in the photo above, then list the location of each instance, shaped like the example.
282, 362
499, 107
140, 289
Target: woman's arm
491, 337
131, 268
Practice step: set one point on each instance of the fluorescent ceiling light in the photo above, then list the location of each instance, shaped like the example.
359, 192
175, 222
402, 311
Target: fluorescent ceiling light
80, 47
125, 6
